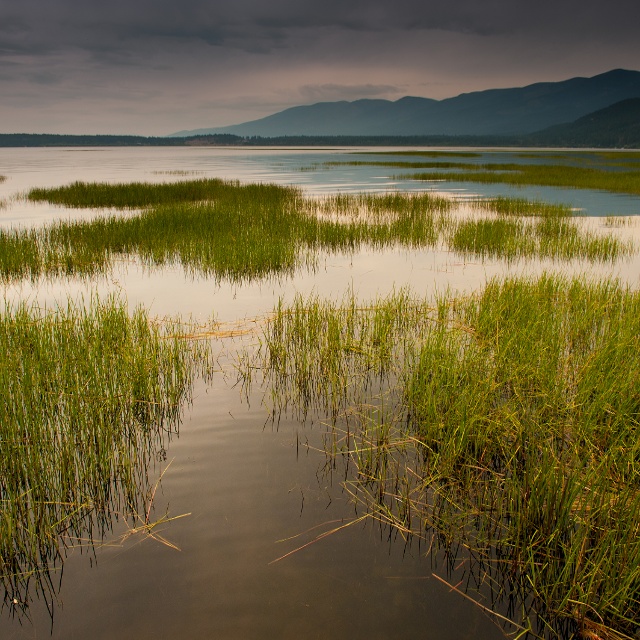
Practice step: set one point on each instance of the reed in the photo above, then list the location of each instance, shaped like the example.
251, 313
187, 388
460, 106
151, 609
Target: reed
89, 396
520, 207
426, 154
543, 175
506, 422
244, 232
526, 229
552, 237
402, 164
133, 194
241, 232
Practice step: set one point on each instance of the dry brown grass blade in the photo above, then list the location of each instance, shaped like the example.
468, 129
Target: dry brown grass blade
320, 537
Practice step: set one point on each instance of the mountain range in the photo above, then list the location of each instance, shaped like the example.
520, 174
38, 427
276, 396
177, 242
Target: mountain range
494, 112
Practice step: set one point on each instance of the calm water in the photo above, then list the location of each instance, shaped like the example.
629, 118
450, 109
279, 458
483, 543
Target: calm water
254, 493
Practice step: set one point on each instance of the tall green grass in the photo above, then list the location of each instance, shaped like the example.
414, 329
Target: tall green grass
403, 164
524, 228
133, 194
522, 208
88, 398
557, 238
543, 175
506, 422
427, 153
240, 232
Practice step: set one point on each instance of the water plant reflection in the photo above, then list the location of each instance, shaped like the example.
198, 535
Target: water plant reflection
506, 422
89, 398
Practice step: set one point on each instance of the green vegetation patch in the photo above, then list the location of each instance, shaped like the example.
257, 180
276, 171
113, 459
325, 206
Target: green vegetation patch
88, 396
402, 164
426, 154
238, 232
133, 194
506, 423
557, 238
520, 207
243, 232
543, 175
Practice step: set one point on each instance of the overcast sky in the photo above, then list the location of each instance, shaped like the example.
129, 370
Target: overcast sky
153, 67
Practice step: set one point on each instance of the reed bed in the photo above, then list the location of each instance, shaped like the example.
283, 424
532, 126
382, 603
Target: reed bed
521, 228
620, 221
505, 423
551, 237
427, 154
132, 194
403, 164
244, 232
522, 208
89, 397
543, 175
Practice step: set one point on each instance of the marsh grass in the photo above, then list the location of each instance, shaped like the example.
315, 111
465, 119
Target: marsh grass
620, 221
522, 228
426, 154
543, 175
239, 232
521, 207
402, 164
89, 397
506, 422
133, 194
555, 238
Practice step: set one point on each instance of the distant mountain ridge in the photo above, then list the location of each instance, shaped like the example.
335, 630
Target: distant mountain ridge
494, 112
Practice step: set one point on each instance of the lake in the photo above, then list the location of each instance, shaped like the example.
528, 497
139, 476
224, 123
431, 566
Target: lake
251, 560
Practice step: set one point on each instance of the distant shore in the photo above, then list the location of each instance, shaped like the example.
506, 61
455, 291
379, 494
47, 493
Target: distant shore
229, 140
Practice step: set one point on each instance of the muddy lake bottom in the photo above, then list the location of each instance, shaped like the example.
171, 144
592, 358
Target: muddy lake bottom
249, 497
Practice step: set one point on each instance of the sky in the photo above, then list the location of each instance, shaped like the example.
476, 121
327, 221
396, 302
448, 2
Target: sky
153, 67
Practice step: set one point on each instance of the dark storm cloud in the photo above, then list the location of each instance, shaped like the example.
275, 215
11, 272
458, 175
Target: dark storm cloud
39, 25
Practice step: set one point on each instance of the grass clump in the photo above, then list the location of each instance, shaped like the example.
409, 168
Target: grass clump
520, 207
427, 154
88, 396
551, 237
241, 232
133, 194
535, 405
254, 231
525, 228
506, 422
402, 164
543, 175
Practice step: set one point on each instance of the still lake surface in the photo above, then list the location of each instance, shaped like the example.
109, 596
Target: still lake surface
253, 492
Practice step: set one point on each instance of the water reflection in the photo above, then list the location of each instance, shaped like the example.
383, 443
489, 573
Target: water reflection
255, 494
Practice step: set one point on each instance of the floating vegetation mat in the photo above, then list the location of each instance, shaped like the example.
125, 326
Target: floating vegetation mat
240, 232
89, 396
505, 423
